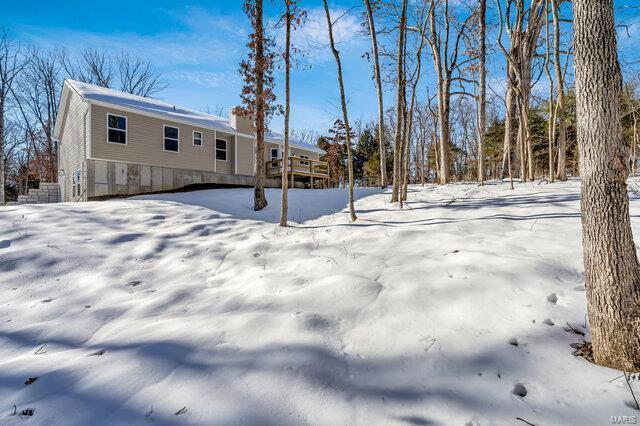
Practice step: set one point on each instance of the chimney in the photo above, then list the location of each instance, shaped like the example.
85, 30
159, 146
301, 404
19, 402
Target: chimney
240, 123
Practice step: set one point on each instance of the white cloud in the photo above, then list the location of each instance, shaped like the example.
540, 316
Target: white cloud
314, 31
312, 38
203, 78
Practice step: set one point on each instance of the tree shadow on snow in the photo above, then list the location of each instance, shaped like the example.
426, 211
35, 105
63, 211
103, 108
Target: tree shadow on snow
409, 386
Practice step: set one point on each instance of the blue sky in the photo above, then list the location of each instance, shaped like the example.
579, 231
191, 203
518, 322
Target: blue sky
197, 46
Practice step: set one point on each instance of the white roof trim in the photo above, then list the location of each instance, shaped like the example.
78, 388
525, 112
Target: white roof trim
61, 112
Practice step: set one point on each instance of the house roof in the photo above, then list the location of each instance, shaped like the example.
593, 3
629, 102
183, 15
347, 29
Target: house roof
153, 107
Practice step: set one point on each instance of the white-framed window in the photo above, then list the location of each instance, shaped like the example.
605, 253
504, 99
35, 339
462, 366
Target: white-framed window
197, 138
221, 149
76, 180
117, 129
275, 154
171, 138
302, 158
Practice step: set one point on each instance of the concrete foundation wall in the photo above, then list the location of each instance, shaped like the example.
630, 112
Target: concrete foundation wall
106, 178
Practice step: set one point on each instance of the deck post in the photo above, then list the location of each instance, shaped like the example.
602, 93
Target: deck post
292, 175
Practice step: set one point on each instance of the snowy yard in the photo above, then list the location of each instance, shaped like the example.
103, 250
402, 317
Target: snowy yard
190, 308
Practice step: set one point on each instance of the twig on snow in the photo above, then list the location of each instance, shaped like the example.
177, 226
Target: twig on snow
573, 330
429, 342
628, 380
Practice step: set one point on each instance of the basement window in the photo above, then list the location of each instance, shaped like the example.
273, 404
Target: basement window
171, 139
221, 150
116, 129
197, 138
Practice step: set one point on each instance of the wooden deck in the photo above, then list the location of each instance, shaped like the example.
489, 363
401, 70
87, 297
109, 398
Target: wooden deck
317, 172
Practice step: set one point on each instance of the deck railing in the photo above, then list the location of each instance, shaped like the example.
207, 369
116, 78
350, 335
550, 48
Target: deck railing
298, 166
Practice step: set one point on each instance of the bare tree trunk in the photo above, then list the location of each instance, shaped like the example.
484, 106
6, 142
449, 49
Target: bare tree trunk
510, 130
11, 64
482, 103
405, 143
407, 149
519, 58
397, 152
423, 162
436, 149
2, 166
551, 134
634, 160
612, 271
560, 109
443, 125
509, 166
376, 71
521, 145
259, 198
287, 109
415, 79
29, 138
526, 149
345, 116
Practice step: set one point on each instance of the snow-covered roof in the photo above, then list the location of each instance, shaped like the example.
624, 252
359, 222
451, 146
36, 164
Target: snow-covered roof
156, 108
152, 106
293, 142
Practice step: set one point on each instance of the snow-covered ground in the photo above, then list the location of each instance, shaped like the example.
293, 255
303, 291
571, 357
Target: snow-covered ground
191, 308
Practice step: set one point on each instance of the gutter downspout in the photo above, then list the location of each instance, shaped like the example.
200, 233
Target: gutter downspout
84, 149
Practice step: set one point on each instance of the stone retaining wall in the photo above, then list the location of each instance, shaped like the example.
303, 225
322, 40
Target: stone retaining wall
46, 193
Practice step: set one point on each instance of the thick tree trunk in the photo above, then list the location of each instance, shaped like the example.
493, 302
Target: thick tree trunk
376, 72
482, 106
259, 198
287, 109
345, 116
612, 272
